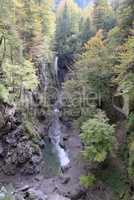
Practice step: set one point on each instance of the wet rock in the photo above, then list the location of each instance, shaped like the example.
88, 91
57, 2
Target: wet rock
36, 159
33, 194
42, 143
1, 149
62, 145
42, 116
65, 180
64, 169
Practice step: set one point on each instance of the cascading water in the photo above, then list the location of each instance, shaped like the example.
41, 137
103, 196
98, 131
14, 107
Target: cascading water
45, 75
55, 132
56, 66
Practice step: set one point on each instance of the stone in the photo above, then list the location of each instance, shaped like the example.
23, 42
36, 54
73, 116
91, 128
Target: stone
65, 180
36, 159
9, 168
42, 143
19, 197
24, 188
24, 152
33, 194
56, 196
1, 149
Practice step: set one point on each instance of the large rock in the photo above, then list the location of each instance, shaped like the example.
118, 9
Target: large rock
22, 154
33, 194
56, 196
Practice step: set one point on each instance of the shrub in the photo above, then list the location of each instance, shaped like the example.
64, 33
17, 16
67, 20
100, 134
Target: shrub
87, 181
3, 93
98, 137
131, 122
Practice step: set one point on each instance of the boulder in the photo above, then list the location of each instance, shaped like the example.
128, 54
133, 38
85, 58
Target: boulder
65, 179
9, 167
33, 194
24, 152
56, 196
19, 197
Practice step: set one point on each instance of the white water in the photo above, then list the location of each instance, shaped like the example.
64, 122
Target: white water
45, 75
55, 132
56, 66
55, 135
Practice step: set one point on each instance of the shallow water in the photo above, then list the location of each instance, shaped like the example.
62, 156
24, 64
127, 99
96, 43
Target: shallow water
51, 165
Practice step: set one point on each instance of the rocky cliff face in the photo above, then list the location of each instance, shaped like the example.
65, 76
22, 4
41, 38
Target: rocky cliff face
18, 152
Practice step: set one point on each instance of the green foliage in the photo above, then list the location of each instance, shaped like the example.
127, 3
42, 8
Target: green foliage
131, 122
77, 103
95, 67
125, 18
87, 181
67, 31
125, 69
21, 75
114, 37
30, 126
4, 94
103, 16
115, 178
98, 137
27, 30
131, 160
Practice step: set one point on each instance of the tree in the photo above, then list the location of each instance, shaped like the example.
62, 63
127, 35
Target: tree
26, 37
98, 138
103, 16
68, 16
124, 70
126, 17
95, 67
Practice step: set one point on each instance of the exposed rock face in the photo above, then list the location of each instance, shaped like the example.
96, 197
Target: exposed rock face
33, 194
17, 150
36, 194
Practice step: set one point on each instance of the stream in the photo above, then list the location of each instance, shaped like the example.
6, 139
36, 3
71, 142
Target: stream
55, 132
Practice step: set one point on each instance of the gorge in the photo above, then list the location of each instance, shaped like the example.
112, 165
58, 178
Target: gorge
66, 100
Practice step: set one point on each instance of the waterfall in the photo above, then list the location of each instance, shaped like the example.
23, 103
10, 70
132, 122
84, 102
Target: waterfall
55, 132
45, 75
55, 135
56, 67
